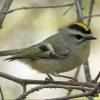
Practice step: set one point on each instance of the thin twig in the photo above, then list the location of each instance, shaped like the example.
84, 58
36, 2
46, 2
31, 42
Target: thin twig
38, 7
68, 10
87, 72
97, 77
92, 16
90, 11
73, 96
2, 96
77, 72
75, 77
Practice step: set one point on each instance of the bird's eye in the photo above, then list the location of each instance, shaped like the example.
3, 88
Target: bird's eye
79, 37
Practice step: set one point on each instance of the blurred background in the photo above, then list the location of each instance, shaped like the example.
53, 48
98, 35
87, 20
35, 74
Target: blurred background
24, 28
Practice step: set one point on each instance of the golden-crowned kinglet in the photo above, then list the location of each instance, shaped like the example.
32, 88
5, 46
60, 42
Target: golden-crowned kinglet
64, 51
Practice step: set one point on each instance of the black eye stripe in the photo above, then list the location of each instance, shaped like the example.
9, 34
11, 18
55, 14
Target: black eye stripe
79, 28
79, 37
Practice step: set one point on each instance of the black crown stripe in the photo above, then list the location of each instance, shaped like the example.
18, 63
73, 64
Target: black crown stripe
79, 28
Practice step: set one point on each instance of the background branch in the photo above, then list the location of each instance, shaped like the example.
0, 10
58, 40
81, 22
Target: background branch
5, 8
92, 16
92, 2
79, 11
51, 86
68, 9
2, 96
38, 7
86, 65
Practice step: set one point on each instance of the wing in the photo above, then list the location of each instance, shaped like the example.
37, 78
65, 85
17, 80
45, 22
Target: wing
42, 50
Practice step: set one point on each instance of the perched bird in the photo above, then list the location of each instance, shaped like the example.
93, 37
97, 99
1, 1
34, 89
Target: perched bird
62, 52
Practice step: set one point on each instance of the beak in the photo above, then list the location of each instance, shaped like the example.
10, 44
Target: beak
91, 38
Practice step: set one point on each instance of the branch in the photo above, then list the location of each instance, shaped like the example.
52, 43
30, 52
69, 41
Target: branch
92, 16
68, 9
51, 86
2, 96
87, 74
28, 81
74, 96
90, 89
97, 77
5, 8
79, 10
91, 10
38, 7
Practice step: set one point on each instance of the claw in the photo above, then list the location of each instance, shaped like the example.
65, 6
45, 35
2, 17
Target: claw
49, 78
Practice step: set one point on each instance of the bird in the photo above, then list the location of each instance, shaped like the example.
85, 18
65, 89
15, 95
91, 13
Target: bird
61, 52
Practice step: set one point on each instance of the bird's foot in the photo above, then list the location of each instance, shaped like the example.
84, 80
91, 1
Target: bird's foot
49, 78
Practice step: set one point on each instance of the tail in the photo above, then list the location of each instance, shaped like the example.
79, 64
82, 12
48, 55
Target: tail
10, 52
